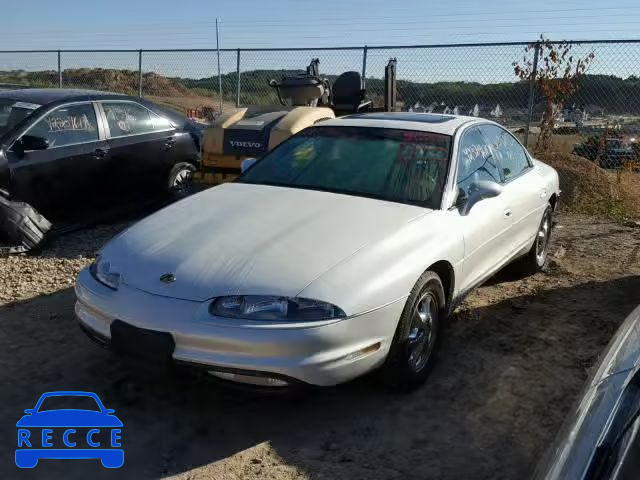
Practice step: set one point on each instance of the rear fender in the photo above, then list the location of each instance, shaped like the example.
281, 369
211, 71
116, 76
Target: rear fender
4, 174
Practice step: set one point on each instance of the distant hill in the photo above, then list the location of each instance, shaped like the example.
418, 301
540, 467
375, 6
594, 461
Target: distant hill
612, 94
607, 93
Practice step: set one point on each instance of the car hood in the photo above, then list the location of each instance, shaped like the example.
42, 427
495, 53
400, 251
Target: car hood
250, 239
69, 418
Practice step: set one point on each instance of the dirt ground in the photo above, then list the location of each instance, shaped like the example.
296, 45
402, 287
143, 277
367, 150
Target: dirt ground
513, 361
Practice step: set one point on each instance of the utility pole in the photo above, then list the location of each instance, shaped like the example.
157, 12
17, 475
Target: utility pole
219, 77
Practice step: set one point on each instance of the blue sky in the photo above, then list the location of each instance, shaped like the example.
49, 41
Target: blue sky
281, 23
81, 24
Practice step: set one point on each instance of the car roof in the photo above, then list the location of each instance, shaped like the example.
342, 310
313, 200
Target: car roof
428, 122
44, 96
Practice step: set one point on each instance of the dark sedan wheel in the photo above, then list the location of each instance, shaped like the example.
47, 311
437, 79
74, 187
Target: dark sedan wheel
415, 343
181, 179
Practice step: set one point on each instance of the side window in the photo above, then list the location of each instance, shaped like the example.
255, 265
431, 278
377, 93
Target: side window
475, 161
508, 152
68, 125
128, 118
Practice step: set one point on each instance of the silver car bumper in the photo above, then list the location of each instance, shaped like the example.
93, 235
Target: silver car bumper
320, 353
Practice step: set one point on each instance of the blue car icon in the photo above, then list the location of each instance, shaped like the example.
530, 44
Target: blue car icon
35, 431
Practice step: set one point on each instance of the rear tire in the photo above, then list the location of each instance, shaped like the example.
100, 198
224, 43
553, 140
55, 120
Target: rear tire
180, 181
536, 259
415, 342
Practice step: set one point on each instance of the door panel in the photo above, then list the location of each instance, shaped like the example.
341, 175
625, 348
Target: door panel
486, 231
523, 187
65, 174
141, 145
487, 227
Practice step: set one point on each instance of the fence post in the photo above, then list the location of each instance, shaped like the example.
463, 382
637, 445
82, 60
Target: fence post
59, 69
238, 78
364, 66
532, 92
140, 73
219, 77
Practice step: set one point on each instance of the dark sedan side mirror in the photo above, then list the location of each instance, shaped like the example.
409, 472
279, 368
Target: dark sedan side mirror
480, 191
246, 164
30, 142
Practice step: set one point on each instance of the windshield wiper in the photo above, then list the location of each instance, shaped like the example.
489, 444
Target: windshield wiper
317, 188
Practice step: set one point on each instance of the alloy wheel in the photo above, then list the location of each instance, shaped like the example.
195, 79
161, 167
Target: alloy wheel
421, 336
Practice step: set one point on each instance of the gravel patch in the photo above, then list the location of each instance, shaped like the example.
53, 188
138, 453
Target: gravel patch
513, 360
28, 275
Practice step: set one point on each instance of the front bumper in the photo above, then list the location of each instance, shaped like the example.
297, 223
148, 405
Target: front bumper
319, 353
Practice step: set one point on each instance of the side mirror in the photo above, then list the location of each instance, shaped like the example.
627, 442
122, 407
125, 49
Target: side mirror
480, 191
109, 411
29, 411
246, 164
31, 142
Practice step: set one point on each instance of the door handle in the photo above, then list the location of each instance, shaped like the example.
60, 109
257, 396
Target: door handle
99, 153
507, 213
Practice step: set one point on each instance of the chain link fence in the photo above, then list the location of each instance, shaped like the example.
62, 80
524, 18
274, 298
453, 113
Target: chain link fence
599, 121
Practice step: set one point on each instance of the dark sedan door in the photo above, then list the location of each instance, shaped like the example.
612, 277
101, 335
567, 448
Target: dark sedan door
141, 145
66, 172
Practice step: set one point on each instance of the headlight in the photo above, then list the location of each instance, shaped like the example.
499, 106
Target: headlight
262, 307
103, 272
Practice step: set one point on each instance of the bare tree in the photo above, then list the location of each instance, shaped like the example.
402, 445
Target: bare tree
556, 77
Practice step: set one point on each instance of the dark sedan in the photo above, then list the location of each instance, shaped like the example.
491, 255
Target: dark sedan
61, 149
601, 437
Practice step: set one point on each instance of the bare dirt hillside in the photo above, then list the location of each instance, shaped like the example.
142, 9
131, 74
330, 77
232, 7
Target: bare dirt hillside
589, 189
107, 79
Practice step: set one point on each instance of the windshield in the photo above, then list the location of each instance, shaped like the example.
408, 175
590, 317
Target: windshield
396, 165
13, 112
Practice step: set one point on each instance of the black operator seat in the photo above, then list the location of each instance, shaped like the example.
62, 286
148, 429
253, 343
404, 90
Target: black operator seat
348, 94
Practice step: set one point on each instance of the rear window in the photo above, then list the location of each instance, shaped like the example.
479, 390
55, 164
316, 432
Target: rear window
13, 112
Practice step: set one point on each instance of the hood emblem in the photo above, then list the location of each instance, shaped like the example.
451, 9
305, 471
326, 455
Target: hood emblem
167, 278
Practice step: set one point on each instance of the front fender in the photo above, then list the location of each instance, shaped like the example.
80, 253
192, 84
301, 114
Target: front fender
386, 271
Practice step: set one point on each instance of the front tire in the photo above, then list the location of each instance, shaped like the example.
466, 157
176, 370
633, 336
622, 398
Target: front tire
415, 342
180, 181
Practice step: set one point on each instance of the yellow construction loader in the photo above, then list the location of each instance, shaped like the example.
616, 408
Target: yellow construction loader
305, 100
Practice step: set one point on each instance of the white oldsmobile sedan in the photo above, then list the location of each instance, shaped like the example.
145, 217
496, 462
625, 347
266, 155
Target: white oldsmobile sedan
339, 252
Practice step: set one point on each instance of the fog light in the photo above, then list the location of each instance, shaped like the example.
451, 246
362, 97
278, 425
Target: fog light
362, 352
250, 379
